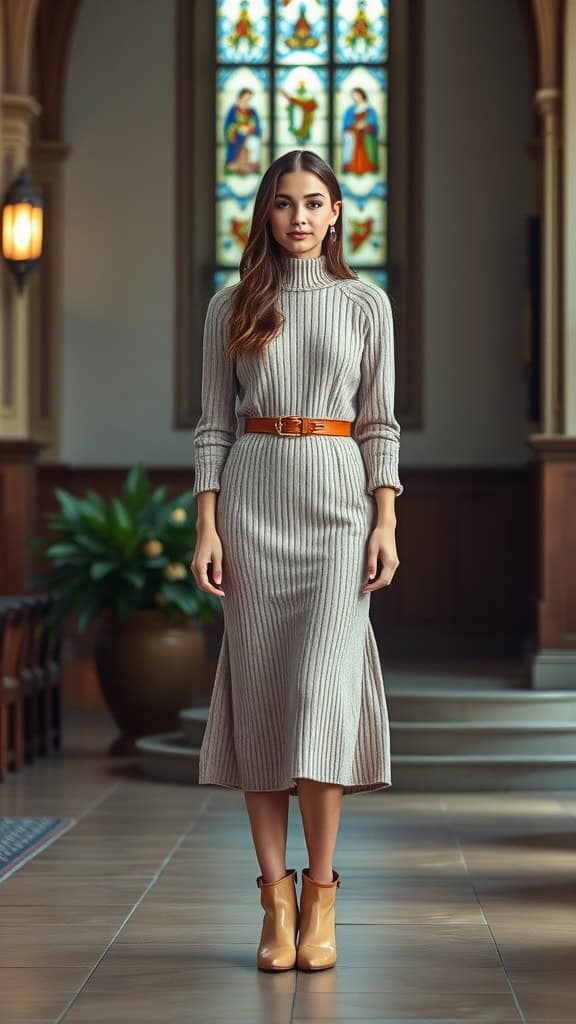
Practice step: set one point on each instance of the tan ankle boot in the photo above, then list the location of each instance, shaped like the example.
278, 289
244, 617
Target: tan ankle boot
317, 942
277, 949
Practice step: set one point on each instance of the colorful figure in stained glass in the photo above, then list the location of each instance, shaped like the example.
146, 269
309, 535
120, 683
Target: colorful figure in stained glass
360, 34
360, 142
242, 133
359, 233
243, 33
239, 230
302, 37
301, 108
361, 31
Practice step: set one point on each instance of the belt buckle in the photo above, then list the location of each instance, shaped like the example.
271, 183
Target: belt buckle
278, 425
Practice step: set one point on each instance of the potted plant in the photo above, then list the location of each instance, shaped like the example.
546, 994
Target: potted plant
124, 563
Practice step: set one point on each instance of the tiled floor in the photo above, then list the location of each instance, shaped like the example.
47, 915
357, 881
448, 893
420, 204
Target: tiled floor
453, 907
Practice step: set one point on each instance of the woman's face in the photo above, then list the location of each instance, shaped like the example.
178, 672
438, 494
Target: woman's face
302, 204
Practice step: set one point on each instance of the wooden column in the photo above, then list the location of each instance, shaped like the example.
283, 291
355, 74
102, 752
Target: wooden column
554, 658
18, 507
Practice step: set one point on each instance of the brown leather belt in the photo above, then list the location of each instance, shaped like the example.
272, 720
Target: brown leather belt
285, 425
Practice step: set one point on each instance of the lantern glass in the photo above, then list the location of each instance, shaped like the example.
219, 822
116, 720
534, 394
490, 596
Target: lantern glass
22, 231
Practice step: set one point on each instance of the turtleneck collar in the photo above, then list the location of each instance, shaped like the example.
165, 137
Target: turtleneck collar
300, 274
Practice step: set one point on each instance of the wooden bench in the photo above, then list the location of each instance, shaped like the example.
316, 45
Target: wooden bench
30, 666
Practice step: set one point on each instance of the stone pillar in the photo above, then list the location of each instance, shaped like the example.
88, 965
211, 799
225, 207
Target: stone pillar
548, 27
48, 160
54, 29
553, 660
569, 190
15, 406
548, 104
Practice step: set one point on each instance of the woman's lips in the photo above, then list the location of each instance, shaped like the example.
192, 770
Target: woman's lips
299, 234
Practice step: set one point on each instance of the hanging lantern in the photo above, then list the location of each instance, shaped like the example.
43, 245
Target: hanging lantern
22, 225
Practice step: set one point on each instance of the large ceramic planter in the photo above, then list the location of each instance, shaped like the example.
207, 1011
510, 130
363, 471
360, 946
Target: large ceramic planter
149, 670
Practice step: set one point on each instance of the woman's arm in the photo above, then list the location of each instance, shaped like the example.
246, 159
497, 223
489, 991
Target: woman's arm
378, 433
385, 498
206, 509
376, 427
214, 436
217, 426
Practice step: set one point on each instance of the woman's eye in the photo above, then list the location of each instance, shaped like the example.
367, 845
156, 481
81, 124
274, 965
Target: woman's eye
284, 203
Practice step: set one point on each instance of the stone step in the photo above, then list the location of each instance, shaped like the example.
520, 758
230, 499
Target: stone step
448, 705
456, 736
511, 708
453, 738
457, 675
193, 723
434, 773
167, 757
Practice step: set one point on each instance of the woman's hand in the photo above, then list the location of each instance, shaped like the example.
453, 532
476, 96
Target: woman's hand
208, 550
381, 546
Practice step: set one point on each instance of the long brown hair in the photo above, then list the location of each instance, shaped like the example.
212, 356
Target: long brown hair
254, 319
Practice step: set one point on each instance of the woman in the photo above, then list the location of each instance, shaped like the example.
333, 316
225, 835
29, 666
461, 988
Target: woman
294, 525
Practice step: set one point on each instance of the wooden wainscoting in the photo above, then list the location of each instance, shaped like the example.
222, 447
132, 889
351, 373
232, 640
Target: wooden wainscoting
464, 587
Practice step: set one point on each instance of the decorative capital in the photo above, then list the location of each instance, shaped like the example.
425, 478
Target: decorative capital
17, 107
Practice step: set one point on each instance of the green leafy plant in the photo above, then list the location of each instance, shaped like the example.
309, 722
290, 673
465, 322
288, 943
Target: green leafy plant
123, 555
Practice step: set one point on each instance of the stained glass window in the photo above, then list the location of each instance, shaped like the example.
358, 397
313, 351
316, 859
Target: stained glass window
303, 74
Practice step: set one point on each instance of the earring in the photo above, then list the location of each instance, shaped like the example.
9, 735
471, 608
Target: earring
332, 233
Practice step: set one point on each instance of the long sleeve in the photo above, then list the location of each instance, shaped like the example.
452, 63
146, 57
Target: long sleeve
217, 426
376, 428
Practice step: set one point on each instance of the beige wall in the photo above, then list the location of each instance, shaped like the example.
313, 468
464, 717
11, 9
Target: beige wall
478, 185
118, 338
119, 236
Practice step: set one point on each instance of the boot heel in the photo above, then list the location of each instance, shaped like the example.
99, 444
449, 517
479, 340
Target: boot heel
277, 948
317, 943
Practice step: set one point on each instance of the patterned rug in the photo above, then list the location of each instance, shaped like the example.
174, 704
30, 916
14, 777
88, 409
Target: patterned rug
22, 838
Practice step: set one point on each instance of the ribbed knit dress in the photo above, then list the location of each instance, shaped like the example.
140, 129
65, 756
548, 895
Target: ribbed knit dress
299, 690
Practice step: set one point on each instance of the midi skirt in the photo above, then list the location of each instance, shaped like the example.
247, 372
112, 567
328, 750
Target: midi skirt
298, 689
